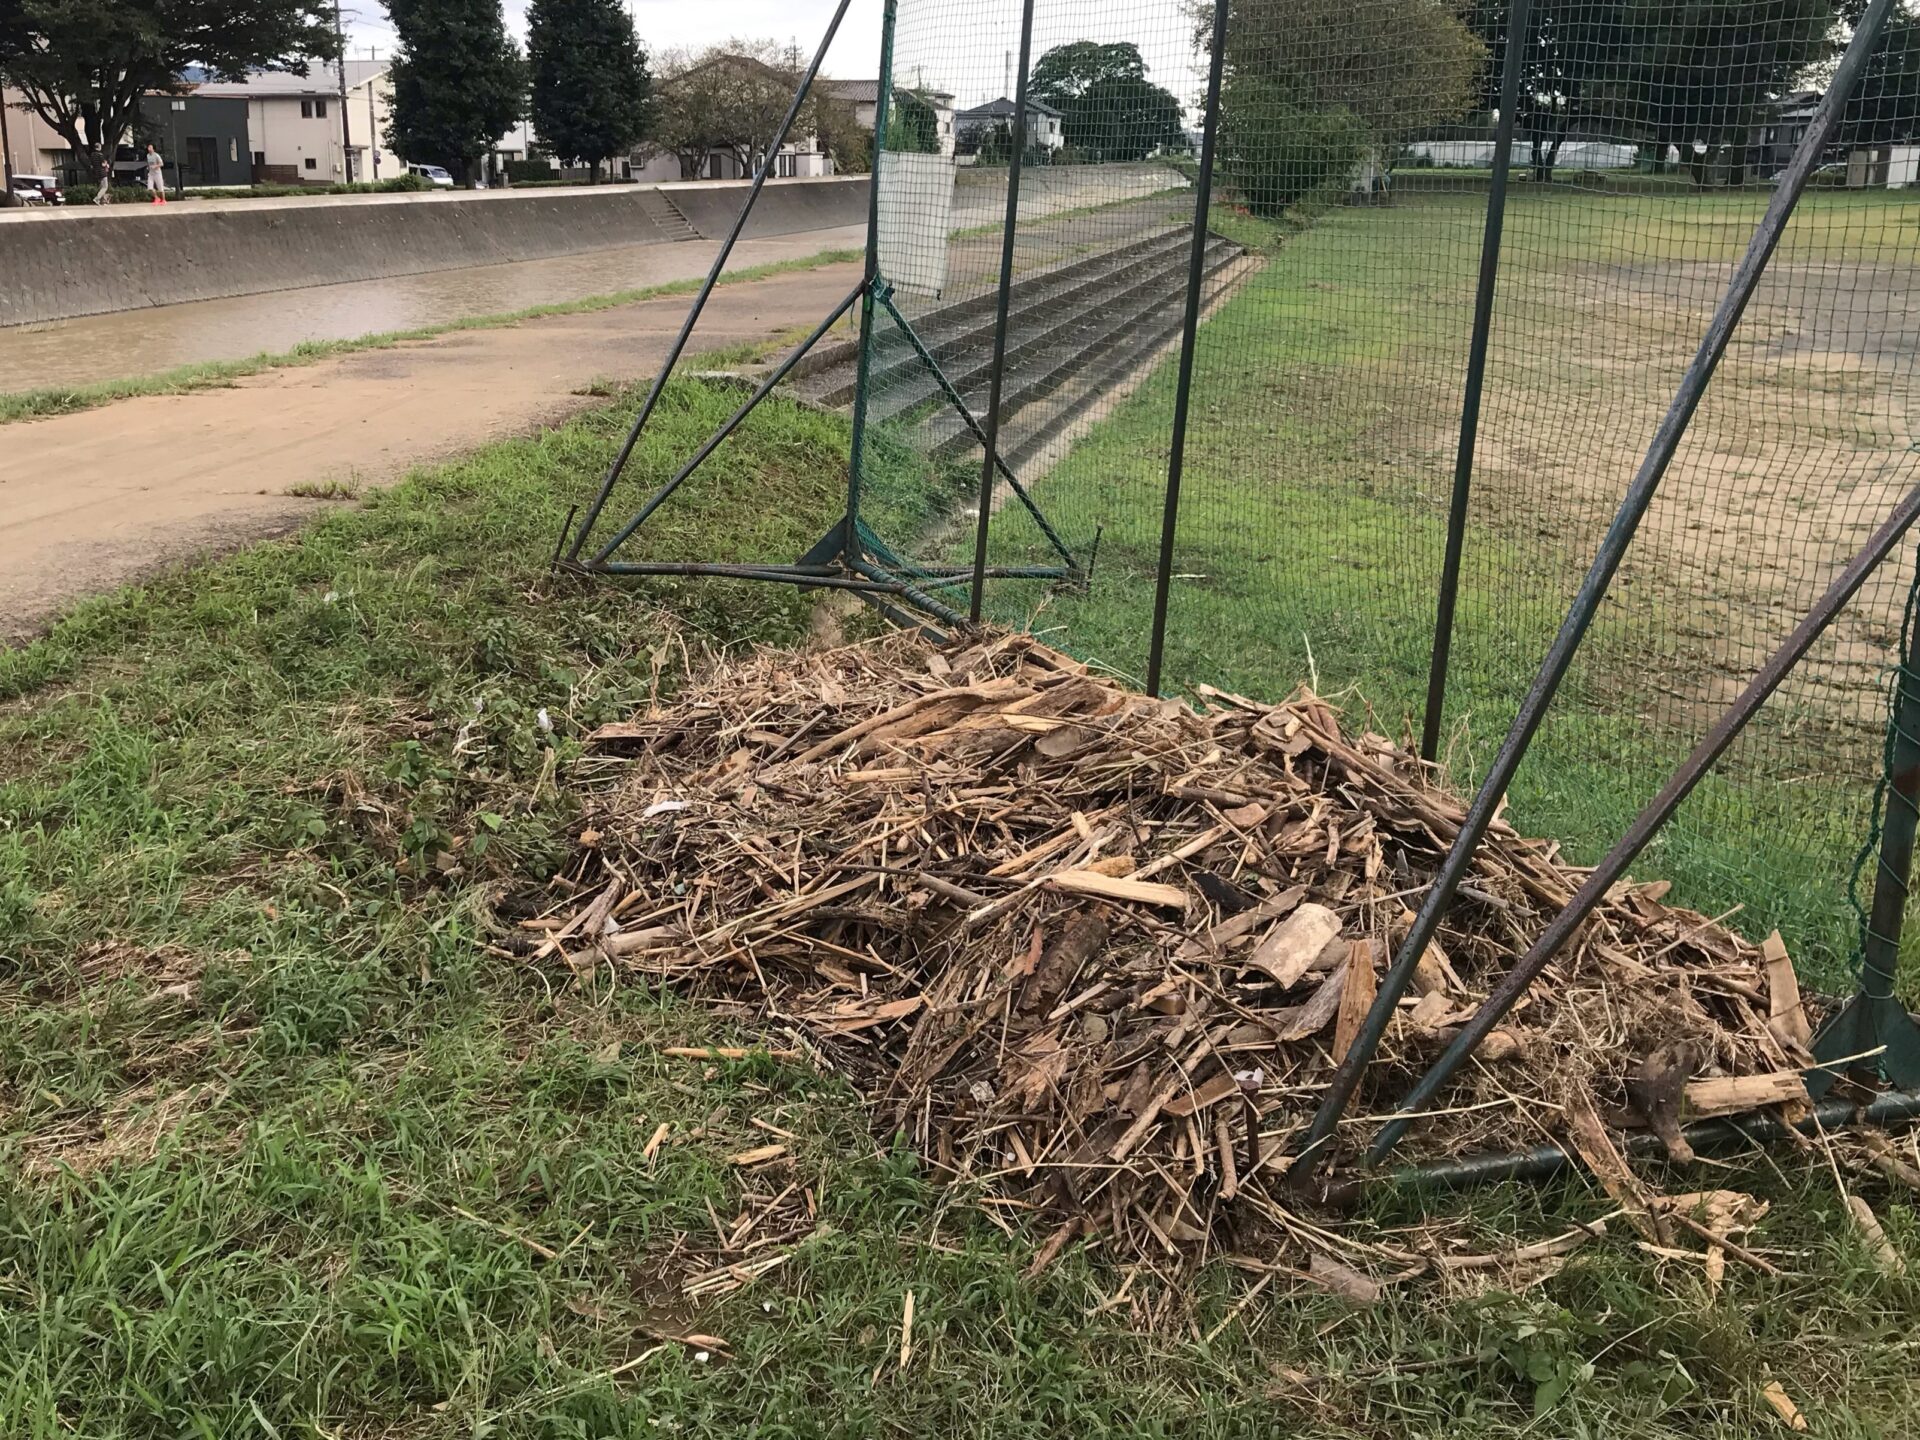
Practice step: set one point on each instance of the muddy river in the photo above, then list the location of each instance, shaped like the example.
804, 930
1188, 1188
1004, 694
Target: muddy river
144, 342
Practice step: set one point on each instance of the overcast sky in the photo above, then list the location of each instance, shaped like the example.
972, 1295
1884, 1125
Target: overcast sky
958, 45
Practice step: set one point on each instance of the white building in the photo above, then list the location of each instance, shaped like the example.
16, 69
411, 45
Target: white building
1045, 125
864, 96
303, 133
1893, 166
32, 146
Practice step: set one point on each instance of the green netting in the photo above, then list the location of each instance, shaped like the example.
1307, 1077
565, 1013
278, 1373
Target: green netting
1339, 280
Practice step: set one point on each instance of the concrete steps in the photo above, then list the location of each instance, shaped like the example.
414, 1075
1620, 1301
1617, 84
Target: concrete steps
1068, 326
665, 217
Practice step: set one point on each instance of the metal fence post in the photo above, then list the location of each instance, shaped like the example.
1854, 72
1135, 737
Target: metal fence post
1633, 508
1660, 809
713, 278
1189, 333
989, 464
863, 360
1519, 19
1874, 1020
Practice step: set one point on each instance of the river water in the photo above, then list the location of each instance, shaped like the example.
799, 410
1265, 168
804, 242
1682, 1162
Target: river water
145, 342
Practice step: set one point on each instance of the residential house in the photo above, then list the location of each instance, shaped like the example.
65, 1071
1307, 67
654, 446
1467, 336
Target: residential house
864, 96
1778, 132
369, 110
295, 125
203, 139
1045, 125
803, 156
33, 148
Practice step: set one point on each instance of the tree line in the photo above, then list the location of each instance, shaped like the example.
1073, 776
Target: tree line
460, 80
1319, 91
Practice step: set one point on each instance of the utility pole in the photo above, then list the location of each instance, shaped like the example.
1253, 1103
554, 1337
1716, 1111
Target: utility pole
6, 150
373, 123
346, 125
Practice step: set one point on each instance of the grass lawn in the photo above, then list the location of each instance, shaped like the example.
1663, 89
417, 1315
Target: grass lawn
289, 1153
1313, 516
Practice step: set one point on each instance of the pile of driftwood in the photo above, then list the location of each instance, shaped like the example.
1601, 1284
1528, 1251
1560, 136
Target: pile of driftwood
1102, 951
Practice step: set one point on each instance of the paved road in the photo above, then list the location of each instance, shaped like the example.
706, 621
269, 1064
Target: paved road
100, 498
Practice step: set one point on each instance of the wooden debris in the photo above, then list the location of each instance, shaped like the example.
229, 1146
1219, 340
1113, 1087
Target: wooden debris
1736, 1094
1293, 945
1782, 1404
1786, 1017
1100, 952
1356, 997
1657, 1090
1343, 1280
1875, 1238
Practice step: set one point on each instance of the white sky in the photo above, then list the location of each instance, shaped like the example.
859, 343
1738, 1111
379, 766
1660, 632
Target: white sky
670, 24
964, 46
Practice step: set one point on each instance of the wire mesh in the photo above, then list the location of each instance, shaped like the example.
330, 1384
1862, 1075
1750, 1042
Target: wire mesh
1344, 249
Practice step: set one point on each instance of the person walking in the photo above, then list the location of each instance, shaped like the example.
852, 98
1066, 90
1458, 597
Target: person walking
105, 192
156, 176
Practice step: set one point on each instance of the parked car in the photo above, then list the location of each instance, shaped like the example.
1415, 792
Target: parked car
434, 175
39, 190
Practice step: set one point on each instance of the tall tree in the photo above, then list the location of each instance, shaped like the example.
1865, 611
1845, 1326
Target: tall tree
1885, 107
83, 65
1697, 72
1315, 87
728, 98
1571, 69
1110, 109
590, 80
913, 126
459, 83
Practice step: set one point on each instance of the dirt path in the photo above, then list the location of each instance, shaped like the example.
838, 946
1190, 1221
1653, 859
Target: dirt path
103, 497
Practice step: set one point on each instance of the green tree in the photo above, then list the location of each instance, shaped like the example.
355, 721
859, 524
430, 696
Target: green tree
912, 126
1571, 67
590, 84
1885, 107
1695, 74
1316, 87
730, 98
83, 65
459, 83
1110, 109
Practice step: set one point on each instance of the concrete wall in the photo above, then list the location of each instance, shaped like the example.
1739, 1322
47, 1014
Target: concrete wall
85, 261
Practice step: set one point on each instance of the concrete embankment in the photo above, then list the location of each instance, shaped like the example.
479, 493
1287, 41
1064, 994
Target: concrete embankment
60, 264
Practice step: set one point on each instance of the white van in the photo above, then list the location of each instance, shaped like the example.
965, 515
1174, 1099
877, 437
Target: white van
434, 175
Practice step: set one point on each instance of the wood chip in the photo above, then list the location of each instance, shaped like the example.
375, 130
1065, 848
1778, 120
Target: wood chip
1776, 1396
749, 1158
1343, 1280
1356, 997
1114, 887
1293, 944
1786, 1017
1736, 1094
1874, 1237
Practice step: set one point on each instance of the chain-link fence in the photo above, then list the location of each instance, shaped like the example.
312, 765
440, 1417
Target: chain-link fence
1345, 253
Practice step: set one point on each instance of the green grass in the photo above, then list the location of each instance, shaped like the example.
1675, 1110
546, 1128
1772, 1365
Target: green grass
1313, 518
210, 374
280, 1132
